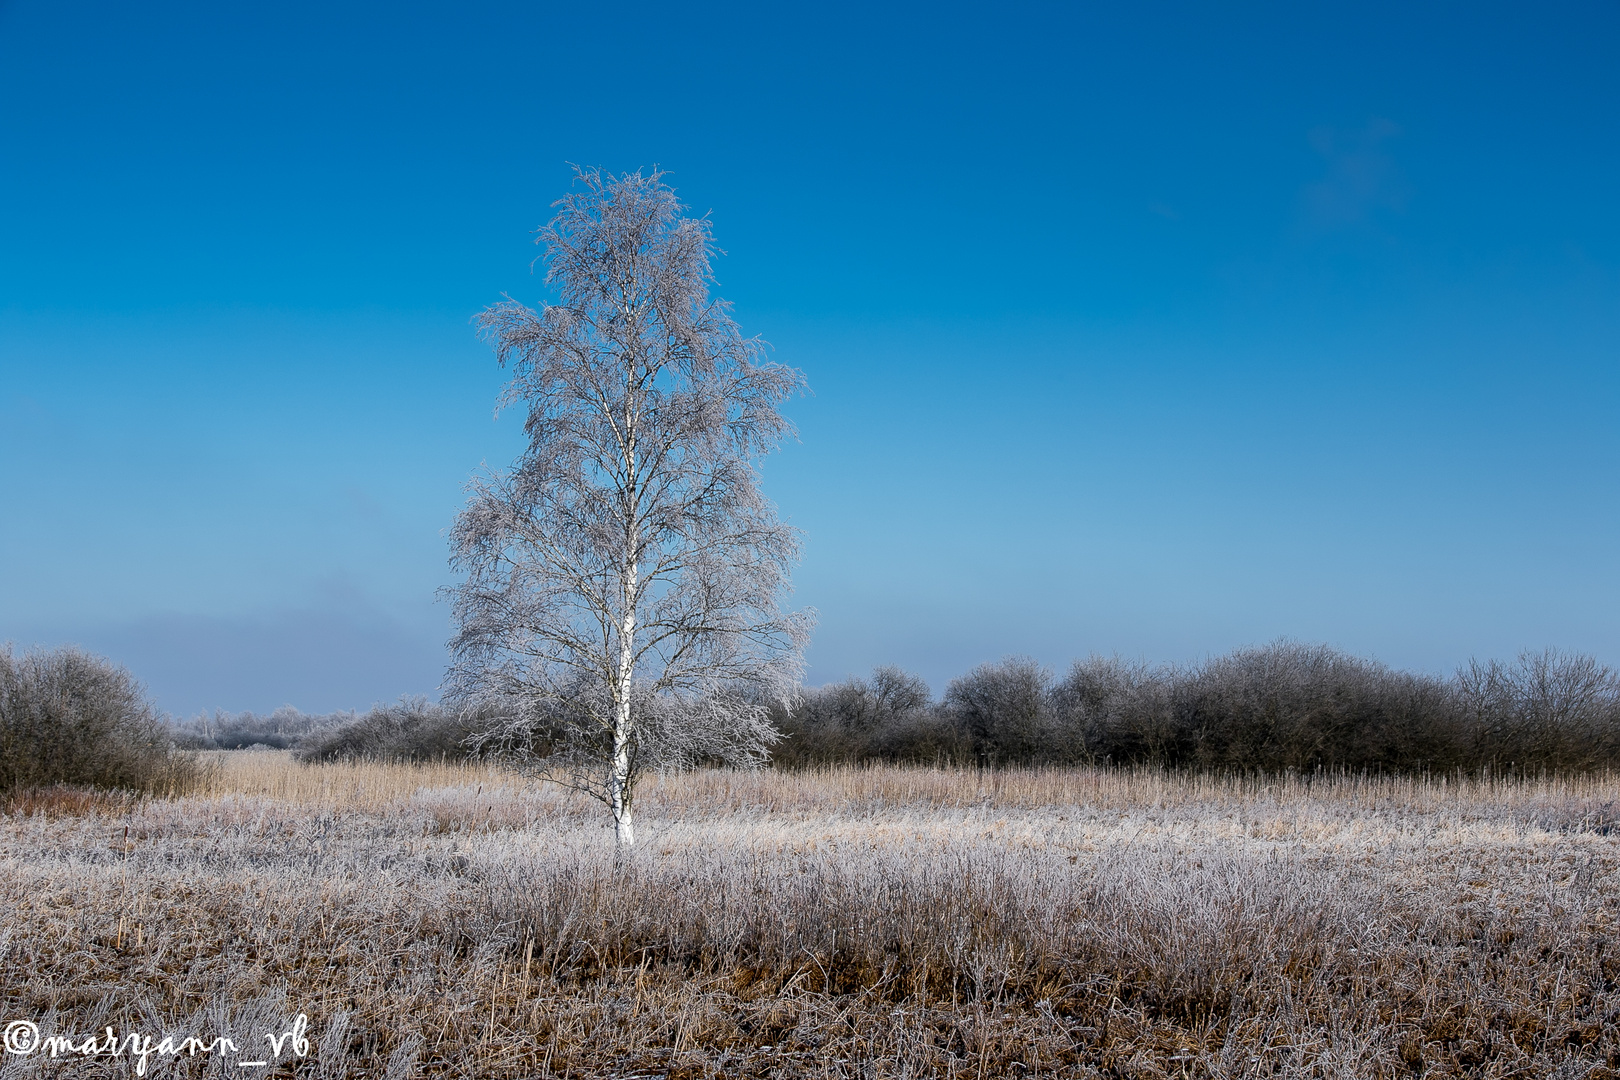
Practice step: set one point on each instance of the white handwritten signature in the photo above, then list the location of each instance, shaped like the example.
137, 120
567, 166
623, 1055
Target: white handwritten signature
22, 1037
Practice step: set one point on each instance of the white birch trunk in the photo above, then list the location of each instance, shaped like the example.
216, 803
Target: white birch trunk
619, 791
619, 794
624, 829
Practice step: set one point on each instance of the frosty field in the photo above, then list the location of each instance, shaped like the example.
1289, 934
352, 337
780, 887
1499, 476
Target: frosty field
463, 921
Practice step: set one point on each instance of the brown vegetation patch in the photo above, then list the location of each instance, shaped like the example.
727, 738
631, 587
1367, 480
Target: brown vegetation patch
60, 799
456, 921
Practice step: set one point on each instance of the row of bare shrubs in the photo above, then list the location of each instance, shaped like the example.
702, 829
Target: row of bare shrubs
1281, 707
412, 729
1276, 708
70, 718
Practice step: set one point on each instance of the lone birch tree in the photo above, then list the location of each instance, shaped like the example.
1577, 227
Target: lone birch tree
621, 603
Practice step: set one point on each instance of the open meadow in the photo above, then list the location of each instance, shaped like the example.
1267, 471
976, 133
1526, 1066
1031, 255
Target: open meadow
462, 921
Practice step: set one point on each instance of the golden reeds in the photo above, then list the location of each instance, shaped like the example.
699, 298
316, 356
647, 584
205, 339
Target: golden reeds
460, 920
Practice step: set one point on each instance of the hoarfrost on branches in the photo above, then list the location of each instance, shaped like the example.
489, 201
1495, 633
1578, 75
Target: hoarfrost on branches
623, 581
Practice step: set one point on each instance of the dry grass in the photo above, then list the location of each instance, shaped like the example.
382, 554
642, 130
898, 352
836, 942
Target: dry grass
459, 921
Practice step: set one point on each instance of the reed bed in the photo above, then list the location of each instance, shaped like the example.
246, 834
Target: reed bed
460, 920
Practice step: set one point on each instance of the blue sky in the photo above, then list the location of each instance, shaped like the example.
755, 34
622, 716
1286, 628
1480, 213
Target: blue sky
1152, 329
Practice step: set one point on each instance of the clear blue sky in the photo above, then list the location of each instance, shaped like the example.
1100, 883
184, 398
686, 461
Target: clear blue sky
1157, 329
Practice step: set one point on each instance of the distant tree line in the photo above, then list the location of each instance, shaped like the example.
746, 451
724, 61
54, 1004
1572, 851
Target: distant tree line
68, 717
1280, 707
411, 729
279, 730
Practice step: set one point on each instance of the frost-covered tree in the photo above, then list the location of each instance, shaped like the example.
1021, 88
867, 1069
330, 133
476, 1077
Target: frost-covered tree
623, 580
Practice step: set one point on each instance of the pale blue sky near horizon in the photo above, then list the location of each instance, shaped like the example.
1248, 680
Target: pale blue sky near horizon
1159, 331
